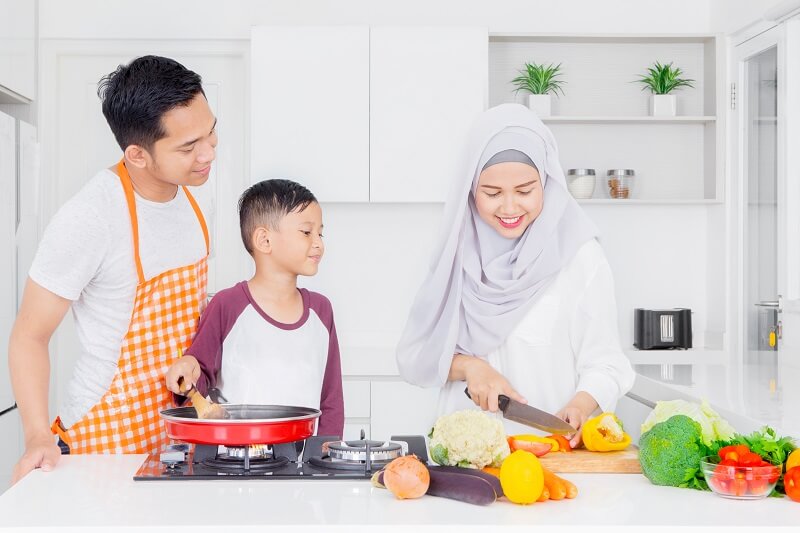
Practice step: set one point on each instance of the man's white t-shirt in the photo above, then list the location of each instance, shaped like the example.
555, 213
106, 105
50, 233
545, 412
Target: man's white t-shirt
86, 255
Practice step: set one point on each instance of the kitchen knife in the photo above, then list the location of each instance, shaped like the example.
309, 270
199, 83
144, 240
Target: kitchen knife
530, 416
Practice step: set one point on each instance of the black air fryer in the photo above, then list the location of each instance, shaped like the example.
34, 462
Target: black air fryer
661, 329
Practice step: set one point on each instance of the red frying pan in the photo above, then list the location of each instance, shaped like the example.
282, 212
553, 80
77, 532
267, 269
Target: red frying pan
248, 424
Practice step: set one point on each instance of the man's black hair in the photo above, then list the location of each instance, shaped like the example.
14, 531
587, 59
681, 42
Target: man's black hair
135, 97
267, 202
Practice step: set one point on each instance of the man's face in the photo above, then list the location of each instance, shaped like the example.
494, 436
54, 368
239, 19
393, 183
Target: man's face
297, 246
509, 197
184, 155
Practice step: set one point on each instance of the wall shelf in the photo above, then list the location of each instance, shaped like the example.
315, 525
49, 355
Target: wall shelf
628, 120
633, 201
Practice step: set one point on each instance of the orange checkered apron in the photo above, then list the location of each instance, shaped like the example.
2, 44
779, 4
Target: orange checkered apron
164, 319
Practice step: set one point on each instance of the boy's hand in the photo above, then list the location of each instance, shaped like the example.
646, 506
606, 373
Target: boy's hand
40, 452
187, 368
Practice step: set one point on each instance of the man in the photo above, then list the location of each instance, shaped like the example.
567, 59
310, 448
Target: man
128, 254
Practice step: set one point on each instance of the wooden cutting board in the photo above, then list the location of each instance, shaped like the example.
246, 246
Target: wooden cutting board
583, 461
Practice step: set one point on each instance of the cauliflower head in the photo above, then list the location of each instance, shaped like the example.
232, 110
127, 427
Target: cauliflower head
470, 439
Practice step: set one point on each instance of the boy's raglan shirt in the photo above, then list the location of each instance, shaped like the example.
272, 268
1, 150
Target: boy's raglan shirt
251, 358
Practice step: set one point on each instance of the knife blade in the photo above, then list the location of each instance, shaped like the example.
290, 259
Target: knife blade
530, 416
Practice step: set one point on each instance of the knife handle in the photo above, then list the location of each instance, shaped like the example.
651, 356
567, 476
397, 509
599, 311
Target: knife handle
502, 399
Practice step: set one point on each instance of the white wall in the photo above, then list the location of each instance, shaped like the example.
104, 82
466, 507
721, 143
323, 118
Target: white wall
232, 19
730, 16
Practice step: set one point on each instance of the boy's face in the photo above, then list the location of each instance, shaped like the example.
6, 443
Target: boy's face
297, 246
509, 197
184, 155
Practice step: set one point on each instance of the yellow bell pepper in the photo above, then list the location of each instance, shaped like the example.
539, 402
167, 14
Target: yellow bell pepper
604, 433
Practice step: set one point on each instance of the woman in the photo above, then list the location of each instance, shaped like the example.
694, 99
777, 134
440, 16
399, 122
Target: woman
520, 297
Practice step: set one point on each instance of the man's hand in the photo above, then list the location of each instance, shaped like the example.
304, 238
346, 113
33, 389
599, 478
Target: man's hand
40, 452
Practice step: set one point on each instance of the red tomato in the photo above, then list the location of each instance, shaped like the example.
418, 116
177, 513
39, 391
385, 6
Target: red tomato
791, 482
536, 448
739, 486
733, 452
750, 459
757, 486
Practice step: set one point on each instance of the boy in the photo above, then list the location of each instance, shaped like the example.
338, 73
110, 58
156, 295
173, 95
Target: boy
264, 341
108, 254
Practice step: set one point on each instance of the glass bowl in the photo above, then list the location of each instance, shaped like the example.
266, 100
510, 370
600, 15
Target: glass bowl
739, 482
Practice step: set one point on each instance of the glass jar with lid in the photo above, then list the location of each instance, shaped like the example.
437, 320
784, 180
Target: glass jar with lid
580, 182
620, 182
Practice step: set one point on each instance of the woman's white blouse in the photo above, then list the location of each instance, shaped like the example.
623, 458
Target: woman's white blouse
568, 342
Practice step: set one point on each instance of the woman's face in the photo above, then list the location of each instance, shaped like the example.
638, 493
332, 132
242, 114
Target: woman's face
509, 197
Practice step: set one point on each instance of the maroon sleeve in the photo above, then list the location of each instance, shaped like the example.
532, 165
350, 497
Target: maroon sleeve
331, 422
215, 324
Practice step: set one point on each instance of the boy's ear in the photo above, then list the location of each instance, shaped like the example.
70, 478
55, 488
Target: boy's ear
136, 156
261, 240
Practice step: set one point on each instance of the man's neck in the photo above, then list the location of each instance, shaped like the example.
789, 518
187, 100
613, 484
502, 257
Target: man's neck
149, 187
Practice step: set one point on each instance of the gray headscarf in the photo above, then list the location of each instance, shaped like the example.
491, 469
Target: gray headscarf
481, 284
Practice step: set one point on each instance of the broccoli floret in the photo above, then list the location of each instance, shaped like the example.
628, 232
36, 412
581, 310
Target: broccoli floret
670, 449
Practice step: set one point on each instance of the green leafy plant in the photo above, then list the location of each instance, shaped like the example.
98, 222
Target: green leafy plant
663, 79
539, 79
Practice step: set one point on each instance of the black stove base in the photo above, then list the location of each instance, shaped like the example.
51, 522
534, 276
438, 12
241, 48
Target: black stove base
295, 460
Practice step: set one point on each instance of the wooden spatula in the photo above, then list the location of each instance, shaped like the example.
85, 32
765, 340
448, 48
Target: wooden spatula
205, 408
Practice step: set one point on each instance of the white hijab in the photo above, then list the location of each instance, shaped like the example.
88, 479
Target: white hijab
481, 284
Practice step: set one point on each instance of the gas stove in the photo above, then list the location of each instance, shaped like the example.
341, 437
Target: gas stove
318, 457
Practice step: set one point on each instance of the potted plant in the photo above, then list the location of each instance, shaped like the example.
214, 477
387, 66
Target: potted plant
662, 80
540, 81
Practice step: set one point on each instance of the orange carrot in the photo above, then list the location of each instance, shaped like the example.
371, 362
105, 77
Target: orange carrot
555, 485
493, 470
572, 490
544, 496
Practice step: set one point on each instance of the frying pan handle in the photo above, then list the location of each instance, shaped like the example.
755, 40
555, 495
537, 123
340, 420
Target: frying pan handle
502, 399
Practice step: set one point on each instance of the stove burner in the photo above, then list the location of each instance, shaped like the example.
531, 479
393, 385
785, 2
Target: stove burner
355, 451
255, 451
255, 458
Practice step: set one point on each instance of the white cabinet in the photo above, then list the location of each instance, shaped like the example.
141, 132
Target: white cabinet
310, 109
427, 85
365, 114
8, 223
17, 50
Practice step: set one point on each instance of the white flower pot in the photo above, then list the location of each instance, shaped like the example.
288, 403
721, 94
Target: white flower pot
663, 105
539, 104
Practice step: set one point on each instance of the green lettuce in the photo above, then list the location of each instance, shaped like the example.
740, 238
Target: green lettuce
712, 426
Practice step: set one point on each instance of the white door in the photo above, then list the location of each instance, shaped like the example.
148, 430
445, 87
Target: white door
77, 143
766, 202
309, 118
427, 86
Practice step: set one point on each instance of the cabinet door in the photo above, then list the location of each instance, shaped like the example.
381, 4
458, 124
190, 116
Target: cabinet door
310, 109
8, 223
427, 85
17, 48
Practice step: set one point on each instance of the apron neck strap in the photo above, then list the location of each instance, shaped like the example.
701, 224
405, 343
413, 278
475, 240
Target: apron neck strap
127, 186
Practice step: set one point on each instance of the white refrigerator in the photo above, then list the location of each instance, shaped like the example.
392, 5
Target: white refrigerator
19, 235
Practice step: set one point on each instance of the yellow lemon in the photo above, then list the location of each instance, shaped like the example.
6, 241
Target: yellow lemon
793, 460
521, 477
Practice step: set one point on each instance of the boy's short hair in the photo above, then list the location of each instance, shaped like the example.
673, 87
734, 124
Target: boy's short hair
267, 202
135, 97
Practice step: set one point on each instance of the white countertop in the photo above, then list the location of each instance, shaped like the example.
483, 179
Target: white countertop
99, 492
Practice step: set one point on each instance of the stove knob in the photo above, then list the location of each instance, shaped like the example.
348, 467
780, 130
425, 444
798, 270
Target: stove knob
172, 458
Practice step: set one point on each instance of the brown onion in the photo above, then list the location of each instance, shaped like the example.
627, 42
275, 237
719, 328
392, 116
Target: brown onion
406, 477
